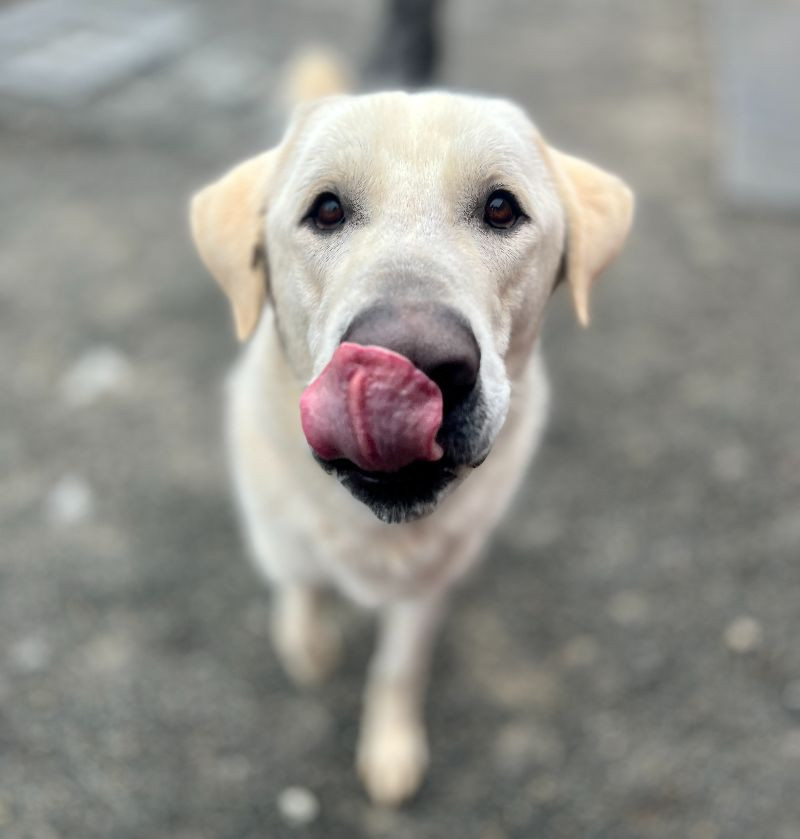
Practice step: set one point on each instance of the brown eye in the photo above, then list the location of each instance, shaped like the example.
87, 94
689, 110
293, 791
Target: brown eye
327, 211
501, 210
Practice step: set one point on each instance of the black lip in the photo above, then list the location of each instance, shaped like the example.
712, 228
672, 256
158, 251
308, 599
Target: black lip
408, 493
407, 479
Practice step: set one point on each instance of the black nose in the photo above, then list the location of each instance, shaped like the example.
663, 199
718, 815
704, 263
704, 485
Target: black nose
434, 337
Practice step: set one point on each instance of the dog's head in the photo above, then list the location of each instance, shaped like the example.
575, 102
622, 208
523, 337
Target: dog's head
408, 245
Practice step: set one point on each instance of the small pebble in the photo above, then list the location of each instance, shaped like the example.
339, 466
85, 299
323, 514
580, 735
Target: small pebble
30, 655
743, 635
70, 501
99, 371
580, 651
298, 806
628, 608
731, 463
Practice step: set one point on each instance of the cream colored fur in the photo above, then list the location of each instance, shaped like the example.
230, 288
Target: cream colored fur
418, 163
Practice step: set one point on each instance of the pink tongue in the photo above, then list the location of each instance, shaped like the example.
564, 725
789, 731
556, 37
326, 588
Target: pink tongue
373, 407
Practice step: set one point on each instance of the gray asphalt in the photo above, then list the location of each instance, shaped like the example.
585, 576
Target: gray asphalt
625, 664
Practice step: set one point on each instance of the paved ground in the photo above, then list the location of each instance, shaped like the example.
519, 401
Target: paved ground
626, 665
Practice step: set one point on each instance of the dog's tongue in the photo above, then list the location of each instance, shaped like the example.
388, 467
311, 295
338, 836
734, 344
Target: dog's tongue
373, 407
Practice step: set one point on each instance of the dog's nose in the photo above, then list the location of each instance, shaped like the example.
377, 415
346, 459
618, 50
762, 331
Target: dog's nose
434, 337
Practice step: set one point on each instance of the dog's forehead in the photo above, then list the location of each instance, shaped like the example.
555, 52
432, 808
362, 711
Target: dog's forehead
401, 117
417, 131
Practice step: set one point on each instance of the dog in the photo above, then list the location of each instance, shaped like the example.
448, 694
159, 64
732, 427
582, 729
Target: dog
389, 263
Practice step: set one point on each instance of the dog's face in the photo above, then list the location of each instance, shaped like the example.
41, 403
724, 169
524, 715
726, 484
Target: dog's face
433, 226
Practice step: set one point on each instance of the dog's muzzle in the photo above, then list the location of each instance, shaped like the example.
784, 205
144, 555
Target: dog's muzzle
397, 415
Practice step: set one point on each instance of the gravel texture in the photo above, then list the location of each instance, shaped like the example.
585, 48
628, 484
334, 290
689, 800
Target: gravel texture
625, 665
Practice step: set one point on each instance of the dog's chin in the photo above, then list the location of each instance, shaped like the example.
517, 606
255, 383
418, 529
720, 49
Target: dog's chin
403, 496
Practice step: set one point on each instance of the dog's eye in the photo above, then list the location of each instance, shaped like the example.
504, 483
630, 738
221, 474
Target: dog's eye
327, 211
501, 210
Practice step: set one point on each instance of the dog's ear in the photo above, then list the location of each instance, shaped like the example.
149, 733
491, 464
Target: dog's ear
599, 209
227, 219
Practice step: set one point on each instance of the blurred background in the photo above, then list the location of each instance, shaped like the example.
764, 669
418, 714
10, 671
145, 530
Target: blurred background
625, 665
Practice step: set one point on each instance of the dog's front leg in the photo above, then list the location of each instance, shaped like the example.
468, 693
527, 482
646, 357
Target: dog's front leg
305, 637
393, 748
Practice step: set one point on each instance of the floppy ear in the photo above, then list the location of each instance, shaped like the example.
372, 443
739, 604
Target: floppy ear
599, 210
227, 226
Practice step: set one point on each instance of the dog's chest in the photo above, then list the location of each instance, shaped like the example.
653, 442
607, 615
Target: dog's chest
373, 564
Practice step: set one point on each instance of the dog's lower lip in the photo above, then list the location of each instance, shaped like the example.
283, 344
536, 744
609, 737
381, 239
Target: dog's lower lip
479, 460
372, 477
407, 474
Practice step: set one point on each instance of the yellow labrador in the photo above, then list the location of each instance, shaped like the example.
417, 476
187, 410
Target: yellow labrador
389, 264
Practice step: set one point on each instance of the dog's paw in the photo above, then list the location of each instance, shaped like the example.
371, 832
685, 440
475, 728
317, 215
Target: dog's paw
392, 759
308, 643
